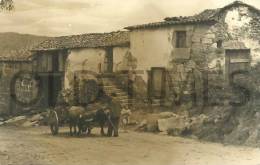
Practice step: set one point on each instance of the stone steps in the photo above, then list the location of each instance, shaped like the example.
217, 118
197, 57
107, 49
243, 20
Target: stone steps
110, 87
119, 94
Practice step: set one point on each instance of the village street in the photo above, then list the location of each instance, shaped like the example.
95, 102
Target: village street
35, 146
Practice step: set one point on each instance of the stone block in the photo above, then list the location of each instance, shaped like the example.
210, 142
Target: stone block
196, 39
174, 123
210, 36
164, 115
181, 53
36, 117
207, 41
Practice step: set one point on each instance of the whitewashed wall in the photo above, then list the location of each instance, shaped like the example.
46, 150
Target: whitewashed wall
156, 47
92, 57
119, 54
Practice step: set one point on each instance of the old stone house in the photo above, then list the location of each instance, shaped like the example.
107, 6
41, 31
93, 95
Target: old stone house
63, 61
194, 57
178, 60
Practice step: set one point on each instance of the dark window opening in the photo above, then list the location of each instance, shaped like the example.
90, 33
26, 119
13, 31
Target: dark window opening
180, 39
219, 44
55, 63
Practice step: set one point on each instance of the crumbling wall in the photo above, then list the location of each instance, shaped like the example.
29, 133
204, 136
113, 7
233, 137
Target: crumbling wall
200, 68
211, 59
156, 48
187, 68
243, 25
238, 23
187, 72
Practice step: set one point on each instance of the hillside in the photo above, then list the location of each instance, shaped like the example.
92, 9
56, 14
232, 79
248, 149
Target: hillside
15, 45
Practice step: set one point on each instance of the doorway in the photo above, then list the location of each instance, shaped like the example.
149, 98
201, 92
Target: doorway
158, 82
54, 89
109, 60
51, 85
237, 60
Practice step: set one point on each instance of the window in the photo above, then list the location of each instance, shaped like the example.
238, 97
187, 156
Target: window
219, 44
180, 39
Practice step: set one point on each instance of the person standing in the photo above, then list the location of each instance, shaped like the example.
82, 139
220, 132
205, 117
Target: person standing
114, 111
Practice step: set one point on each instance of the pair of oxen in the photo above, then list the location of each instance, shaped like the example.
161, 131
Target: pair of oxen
82, 121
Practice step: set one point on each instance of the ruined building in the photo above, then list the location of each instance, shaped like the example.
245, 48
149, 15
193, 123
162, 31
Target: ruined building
70, 62
178, 60
195, 57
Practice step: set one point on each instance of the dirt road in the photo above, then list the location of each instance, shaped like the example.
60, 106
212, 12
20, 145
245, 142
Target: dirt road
35, 146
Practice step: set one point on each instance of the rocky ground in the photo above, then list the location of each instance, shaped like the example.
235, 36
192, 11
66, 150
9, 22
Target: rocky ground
26, 139
36, 146
237, 125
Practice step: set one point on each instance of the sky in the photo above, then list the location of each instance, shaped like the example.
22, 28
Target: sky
68, 17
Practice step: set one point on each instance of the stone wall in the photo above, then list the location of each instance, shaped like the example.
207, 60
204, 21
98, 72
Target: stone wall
236, 24
198, 69
156, 48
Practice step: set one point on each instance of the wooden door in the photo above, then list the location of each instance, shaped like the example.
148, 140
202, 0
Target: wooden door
109, 60
158, 79
55, 87
236, 61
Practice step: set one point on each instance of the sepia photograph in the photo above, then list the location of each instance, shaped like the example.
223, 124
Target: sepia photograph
140, 82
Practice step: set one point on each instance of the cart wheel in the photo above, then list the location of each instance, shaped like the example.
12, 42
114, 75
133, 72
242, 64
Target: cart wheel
54, 122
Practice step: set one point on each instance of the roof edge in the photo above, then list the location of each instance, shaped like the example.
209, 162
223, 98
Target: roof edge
127, 44
106, 41
170, 23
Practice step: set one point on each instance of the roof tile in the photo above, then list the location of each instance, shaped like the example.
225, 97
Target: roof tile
91, 40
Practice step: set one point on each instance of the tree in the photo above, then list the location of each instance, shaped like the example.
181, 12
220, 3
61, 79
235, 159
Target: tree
6, 5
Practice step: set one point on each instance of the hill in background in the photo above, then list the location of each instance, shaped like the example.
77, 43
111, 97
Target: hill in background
17, 46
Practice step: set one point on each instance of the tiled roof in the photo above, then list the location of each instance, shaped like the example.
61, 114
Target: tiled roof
172, 21
206, 16
203, 17
91, 40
